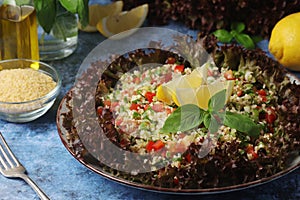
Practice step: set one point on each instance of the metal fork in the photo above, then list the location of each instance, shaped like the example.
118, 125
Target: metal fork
11, 168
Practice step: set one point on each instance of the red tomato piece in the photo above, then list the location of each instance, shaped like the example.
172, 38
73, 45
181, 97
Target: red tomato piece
100, 110
270, 115
264, 98
171, 60
188, 157
146, 107
149, 96
250, 150
107, 103
262, 92
158, 145
175, 180
149, 146
239, 93
134, 106
179, 68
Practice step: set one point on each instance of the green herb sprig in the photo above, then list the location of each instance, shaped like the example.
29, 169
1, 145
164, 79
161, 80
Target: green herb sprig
237, 34
47, 11
190, 116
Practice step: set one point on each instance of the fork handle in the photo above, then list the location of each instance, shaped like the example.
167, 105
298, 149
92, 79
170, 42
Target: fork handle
34, 186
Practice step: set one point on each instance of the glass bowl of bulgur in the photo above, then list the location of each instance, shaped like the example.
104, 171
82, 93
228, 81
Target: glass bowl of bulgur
28, 89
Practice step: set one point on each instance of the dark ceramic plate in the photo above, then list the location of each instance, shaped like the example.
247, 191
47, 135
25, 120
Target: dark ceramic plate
82, 140
74, 145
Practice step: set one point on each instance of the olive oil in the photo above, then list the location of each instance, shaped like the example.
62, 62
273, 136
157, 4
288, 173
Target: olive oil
18, 32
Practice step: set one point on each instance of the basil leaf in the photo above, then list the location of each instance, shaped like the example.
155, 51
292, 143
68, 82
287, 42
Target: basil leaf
217, 101
238, 27
183, 118
223, 35
242, 123
46, 13
83, 12
206, 119
70, 5
245, 40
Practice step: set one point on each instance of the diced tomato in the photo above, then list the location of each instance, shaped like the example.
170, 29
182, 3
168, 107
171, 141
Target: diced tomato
270, 115
168, 110
179, 68
149, 96
100, 110
158, 107
149, 146
263, 95
158, 145
229, 75
118, 121
170, 60
175, 180
239, 93
262, 92
252, 155
188, 157
146, 107
134, 106
154, 145
107, 103
264, 99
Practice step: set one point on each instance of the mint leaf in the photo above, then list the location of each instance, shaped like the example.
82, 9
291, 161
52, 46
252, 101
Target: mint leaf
245, 40
223, 35
46, 13
242, 123
238, 27
183, 118
217, 101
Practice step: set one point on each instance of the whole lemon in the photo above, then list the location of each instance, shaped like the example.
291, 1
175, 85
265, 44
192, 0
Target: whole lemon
285, 41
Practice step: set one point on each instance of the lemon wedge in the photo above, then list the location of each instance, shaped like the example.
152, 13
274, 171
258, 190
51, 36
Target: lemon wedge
97, 12
193, 89
200, 96
123, 21
167, 91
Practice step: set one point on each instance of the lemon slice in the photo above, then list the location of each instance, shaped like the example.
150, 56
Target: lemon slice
200, 96
97, 12
167, 91
123, 21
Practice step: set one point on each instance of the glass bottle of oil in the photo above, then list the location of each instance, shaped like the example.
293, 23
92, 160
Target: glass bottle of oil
18, 32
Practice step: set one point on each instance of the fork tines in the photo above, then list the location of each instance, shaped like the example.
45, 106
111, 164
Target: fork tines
6, 155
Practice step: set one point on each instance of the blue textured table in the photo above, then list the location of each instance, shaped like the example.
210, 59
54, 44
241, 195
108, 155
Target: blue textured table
51, 166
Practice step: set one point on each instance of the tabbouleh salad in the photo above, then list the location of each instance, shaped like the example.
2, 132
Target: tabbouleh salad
139, 118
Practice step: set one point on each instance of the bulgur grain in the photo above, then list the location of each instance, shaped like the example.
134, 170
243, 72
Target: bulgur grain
18, 85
